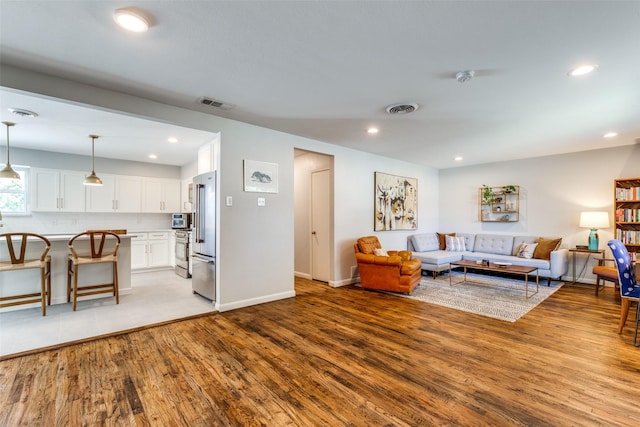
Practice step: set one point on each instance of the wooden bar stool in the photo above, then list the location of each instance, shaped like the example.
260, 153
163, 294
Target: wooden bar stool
102, 248
18, 261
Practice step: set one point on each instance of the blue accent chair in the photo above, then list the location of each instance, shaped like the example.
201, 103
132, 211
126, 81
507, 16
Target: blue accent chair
629, 286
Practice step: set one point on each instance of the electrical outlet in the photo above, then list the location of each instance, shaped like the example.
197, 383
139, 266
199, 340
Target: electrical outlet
262, 201
229, 201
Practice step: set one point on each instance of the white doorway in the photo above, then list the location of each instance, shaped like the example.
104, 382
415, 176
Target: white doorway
313, 216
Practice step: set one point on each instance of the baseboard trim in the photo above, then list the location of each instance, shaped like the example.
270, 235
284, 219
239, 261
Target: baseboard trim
344, 282
254, 301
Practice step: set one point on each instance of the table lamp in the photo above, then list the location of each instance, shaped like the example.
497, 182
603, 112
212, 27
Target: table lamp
594, 221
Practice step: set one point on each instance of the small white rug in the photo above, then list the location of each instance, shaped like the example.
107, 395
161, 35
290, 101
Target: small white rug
491, 296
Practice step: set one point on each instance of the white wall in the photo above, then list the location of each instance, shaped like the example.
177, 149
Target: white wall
554, 190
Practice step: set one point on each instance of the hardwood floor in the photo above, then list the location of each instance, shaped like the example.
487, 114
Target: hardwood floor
342, 357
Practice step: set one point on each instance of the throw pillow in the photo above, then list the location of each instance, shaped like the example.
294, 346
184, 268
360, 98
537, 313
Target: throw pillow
442, 239
526, 250
380, 252
455, 244
545, 247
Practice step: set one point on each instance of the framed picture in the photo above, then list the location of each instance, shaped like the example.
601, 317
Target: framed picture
260, 177
396, 202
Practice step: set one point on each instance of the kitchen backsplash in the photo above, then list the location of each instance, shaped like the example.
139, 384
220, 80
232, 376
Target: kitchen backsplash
72, 223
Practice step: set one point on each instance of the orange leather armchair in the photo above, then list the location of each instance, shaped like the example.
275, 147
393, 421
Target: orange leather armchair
397, 272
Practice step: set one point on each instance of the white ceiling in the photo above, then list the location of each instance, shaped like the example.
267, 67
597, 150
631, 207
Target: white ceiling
328, 69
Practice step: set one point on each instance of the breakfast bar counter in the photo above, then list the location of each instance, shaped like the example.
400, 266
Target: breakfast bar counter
25, 281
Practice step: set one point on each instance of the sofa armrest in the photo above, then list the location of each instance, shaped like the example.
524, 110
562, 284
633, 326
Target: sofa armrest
559, 263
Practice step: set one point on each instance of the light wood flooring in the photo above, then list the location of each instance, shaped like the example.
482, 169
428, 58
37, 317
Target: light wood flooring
334, 357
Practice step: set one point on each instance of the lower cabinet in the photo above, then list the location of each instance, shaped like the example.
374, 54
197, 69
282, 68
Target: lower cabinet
150, 250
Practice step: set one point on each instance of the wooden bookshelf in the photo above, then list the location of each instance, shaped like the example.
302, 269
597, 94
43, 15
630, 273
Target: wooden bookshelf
627, 212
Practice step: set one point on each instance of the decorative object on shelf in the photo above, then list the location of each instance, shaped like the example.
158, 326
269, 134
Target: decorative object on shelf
93, 178
260, 177
396, 202
594, 221
8, 171
496, 201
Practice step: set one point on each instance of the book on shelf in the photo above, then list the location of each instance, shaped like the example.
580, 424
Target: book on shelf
629, 237
627, 215
632, 193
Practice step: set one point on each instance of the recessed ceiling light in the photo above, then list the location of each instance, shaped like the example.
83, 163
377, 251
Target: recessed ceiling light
610, 135
582, 70
172, 140
131, 20
458, 158
373, 131
153, 156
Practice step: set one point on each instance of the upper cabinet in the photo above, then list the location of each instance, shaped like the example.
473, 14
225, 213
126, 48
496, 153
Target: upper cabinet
627, 212
206, 158
160, 195
186, 196
57, 190
499, 204
119, 193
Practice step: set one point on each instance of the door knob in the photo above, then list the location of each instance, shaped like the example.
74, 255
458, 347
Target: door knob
313, 232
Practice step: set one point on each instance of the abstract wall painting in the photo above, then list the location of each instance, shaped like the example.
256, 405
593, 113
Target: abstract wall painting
396, 202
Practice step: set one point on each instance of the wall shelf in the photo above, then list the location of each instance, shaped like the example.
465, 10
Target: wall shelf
497, 204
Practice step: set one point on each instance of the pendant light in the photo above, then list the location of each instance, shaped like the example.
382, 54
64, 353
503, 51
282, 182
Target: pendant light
8, 171
93, 178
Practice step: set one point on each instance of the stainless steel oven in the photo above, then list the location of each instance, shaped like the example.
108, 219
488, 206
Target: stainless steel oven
182, 253
181, 221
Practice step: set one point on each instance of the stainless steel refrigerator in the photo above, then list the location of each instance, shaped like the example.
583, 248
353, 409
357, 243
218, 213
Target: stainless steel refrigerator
204, 236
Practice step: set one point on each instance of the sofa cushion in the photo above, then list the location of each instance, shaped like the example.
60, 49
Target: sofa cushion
437, 257
545, 247
425, 242
526, 250
493, 244
443, 241
455, 244
368, 245
519, 240
469, 240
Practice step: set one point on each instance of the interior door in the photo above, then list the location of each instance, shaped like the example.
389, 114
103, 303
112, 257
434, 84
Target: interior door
321, 225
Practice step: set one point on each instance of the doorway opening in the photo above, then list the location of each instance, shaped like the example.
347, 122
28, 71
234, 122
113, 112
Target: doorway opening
313, 216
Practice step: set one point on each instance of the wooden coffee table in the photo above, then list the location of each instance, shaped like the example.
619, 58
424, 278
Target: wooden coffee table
511, 269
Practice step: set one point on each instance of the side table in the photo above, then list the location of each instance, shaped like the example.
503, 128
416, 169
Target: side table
589, 252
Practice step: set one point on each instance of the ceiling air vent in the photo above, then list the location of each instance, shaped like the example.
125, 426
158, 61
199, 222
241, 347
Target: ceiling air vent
402, 108
217, 104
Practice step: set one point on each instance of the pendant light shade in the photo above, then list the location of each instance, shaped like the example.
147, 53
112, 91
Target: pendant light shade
8, 171
93, 178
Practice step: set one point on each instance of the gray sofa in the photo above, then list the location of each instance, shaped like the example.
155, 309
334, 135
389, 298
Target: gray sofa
494, 247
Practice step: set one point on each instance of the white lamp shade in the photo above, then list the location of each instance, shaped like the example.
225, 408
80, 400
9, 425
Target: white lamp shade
594, 220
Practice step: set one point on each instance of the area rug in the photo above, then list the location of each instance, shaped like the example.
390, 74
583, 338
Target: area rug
491, 296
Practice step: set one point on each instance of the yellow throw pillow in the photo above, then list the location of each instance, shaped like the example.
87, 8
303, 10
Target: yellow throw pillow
545, 247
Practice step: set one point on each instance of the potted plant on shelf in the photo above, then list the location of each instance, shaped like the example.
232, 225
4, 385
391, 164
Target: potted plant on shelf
509, 189
488, 195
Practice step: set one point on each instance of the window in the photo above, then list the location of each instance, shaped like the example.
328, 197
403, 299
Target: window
14, 193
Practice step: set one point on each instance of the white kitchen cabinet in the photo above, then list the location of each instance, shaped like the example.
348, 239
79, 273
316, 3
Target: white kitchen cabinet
119, 193
57, 190
139, 251
160, 195
150, 250
206, 159
186, 196
172, 249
